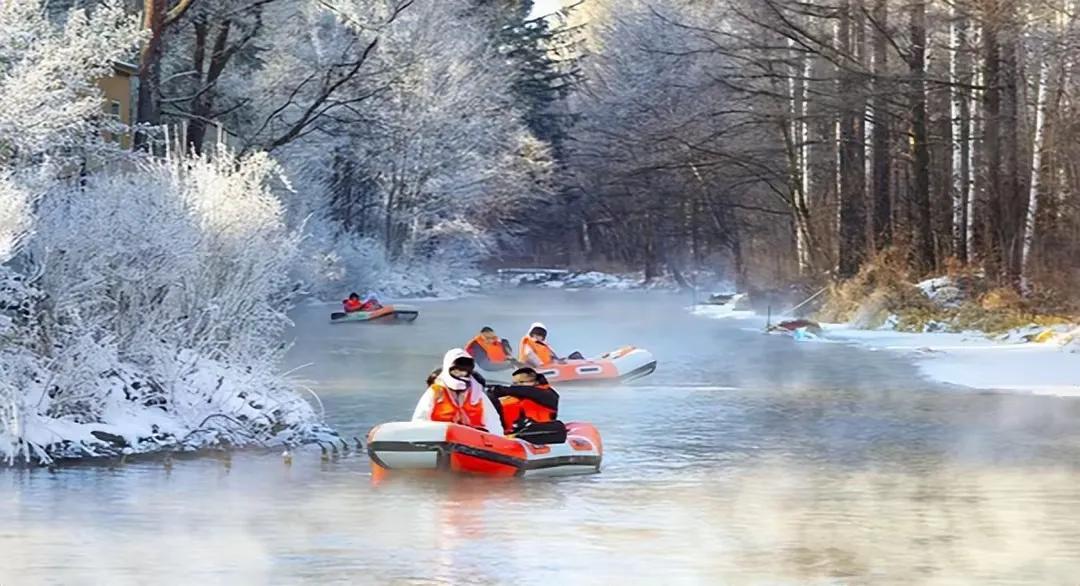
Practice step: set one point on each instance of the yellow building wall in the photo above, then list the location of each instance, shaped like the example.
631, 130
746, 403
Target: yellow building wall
116, 90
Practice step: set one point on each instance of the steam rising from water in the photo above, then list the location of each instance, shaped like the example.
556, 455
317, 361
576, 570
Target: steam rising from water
774, 521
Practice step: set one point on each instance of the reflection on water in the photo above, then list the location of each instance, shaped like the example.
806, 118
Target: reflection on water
744, 459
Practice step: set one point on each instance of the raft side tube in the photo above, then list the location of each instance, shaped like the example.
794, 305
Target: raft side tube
623, 365
405, 313
426, 445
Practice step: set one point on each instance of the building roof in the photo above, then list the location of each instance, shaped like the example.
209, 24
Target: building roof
125, 68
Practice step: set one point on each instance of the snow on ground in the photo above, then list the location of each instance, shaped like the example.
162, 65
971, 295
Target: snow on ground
572, 281
209, 404
1006, 363
725, 311
598, 280
976, 361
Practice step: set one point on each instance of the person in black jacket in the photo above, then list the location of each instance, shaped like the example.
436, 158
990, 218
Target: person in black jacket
530, 399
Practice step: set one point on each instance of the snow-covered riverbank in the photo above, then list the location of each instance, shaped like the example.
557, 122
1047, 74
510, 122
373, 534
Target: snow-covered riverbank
977, 361
973, 360
577, 280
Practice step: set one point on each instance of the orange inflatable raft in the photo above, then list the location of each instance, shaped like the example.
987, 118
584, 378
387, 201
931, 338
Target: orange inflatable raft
439, 446
619, 366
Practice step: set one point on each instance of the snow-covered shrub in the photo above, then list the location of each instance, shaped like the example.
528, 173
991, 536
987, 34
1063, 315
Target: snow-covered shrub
193, 255
161, 296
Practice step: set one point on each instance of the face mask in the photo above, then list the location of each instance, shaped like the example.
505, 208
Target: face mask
460, 372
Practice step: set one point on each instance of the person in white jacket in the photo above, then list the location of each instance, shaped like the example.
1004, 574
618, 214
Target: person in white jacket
456, 397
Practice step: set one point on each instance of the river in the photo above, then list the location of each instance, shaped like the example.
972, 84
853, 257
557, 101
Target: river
744, 459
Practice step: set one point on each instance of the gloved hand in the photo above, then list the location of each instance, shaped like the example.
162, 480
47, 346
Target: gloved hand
521, 425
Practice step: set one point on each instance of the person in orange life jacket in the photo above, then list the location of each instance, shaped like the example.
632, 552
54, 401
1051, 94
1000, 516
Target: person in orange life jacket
534, 350
352, 303
490, 351
455, 396
529, 400
431, 378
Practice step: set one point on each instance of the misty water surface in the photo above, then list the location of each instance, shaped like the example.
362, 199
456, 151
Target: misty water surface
745, 459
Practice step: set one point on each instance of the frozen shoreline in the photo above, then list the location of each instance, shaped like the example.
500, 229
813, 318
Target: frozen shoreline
969, 360
975, 361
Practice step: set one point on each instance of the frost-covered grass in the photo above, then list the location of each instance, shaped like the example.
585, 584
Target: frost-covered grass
884, 292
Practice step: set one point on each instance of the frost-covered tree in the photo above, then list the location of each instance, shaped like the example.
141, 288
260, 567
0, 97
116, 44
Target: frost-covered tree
430, 159
664, 161
49, 102
441, 129
403, 122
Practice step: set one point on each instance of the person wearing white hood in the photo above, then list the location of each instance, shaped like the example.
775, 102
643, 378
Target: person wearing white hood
456, 397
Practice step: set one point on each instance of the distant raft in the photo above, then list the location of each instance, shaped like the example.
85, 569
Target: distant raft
385, 314
619, 366
448, 447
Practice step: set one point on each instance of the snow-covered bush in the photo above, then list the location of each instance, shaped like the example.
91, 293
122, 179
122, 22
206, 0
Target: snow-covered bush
155, 316
193, 255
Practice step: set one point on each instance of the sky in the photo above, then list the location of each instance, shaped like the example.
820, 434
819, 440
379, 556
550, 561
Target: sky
544, 7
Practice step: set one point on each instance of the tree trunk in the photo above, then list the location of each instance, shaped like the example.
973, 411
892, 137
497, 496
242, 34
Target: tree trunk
852, 188
992, 138
1036, 168
1010, 190
795, 139
147, 107
157, 17
203, 106
924, 236
388, 219
974, 154
882, 181
960, 129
